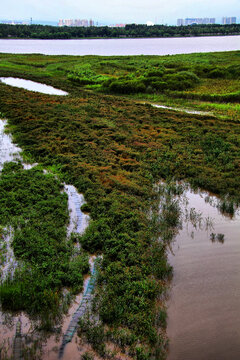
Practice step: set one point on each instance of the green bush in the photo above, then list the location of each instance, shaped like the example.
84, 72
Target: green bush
84, 75
34, 205
159, 85
181, 80
218, 73
97, 233
155, 73
127, 86
234, 71
73, 272
85, 208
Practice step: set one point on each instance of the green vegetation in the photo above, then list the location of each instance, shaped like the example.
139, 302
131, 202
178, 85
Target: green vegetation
33, 204
129, 31
115, 150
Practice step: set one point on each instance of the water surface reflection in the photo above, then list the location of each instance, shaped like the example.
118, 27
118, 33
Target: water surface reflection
203, 306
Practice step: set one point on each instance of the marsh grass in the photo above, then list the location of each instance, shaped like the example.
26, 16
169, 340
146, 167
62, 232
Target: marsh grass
115, 151
38, 214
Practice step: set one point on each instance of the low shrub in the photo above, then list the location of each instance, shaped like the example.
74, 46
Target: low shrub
126, 86
181, 80
84, 75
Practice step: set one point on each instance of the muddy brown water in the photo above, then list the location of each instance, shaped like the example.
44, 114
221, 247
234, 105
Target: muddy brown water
47, 345
204, 299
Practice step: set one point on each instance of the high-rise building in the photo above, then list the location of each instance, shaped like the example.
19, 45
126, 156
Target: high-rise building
180, 22
84, 23
193, 21
208, 21
68, 22
229, 20
81, 22
76, 22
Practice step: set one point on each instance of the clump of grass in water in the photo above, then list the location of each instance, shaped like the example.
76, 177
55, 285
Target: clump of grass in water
217, 238
227, 206
169, 218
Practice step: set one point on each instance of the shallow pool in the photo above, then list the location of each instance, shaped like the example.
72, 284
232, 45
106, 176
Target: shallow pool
32, 86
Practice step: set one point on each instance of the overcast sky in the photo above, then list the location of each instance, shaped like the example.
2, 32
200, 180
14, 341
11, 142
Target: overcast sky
112, 11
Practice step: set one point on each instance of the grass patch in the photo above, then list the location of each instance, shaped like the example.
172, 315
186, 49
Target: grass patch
33, 204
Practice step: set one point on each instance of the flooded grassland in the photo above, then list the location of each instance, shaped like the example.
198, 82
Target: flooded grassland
114, 151
20, 334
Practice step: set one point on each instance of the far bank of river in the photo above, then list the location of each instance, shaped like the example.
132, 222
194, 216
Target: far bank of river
108, 47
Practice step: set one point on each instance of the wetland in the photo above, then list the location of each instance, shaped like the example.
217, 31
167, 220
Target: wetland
131, 162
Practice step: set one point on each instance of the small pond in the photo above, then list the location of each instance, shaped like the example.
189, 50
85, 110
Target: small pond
32, 86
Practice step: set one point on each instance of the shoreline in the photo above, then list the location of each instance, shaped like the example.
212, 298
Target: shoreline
126, 37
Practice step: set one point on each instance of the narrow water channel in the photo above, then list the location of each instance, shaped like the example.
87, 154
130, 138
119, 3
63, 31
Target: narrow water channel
203, 305
187, 111
8, 150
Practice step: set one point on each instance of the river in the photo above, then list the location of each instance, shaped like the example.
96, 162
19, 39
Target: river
149, 46
203, 305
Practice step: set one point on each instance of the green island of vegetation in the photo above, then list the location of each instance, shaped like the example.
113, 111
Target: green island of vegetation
129, 31
32, 204
106, 139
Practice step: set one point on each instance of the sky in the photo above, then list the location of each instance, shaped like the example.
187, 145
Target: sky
118, 11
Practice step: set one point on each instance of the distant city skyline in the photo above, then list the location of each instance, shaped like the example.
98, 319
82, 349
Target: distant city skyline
76, 22
90, 22
191, 21
199, 21
120, 11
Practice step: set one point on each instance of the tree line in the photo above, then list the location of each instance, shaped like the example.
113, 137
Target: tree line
130, 31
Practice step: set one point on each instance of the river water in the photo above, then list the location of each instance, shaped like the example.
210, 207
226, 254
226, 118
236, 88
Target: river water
203, 305
149, 46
